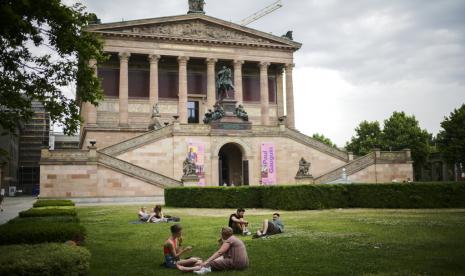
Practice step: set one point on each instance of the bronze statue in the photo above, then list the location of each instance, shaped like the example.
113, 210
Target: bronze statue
188, 167
196, 6
288, 35
212, 116
241, 113
224, 83
304, 168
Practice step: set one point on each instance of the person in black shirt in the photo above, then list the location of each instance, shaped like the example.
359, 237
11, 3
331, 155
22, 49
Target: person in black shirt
238, 223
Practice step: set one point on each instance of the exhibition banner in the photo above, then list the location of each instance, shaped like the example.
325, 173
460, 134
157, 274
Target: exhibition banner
268, 164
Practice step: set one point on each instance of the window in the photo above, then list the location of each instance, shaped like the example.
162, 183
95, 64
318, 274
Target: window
193, 112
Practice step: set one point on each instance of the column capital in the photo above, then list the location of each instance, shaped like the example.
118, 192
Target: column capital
264, 65
238, 62
153, 58
124, 56
211, 61
289, 66
183, 59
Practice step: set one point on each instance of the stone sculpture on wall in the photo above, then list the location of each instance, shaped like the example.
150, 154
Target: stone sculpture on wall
304, 168
188, 167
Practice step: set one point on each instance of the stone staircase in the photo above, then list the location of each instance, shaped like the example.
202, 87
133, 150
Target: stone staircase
351, 168
136, 171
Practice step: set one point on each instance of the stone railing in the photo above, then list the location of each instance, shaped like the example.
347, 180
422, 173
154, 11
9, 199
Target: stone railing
300, 137
137, 141
392, 157
137, 172
67, 156
351, 168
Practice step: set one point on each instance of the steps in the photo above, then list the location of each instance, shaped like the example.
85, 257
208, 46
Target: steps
351, 168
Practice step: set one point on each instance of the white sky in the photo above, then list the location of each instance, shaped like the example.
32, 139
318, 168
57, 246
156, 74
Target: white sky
360, 60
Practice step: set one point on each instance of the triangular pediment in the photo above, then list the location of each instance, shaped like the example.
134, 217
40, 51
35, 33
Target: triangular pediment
194, 27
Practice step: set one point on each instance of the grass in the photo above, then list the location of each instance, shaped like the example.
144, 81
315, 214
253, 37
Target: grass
329, 242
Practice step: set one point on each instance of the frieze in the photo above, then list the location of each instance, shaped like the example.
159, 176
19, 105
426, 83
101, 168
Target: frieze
195, 29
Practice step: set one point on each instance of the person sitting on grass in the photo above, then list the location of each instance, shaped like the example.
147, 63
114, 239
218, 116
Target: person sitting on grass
172, 251
273, 227
238, 223
157, 215
143, 215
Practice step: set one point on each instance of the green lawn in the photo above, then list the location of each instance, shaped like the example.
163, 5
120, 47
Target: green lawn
329, 242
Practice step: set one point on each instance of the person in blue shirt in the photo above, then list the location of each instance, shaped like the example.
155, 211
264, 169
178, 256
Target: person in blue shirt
272, 227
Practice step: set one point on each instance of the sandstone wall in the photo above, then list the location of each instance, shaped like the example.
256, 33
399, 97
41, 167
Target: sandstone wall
383, 173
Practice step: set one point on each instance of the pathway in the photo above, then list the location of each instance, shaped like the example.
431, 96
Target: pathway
13, 205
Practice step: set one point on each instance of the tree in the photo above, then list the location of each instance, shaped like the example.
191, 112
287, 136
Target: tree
27, 29
451, 139
401, 131
367, 137
324, 140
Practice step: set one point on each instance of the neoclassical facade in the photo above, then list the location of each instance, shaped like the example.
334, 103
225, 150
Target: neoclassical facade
160, 80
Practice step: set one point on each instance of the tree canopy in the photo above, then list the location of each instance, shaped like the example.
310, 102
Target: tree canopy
367, 136
43, 49
400, 131
324, 140
451, 139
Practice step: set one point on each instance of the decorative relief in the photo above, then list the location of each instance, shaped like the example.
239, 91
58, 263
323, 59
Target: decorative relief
166, 107
139, 107
108, 106
195, 29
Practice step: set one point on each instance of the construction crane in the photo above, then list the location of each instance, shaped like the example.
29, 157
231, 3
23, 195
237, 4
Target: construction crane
271, 8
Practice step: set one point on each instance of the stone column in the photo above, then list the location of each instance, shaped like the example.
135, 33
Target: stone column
153, 95
289, 96
123, 89
182, 96
238, 81
211, 91
91, 110
264, 99
279, 91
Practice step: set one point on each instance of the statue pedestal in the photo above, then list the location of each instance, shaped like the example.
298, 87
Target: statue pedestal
230, 121
190, 181
304, 179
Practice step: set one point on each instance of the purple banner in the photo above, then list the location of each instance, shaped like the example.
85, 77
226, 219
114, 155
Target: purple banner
268, 164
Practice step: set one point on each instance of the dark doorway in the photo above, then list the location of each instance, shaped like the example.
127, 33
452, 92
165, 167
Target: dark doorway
193, 112
230, 168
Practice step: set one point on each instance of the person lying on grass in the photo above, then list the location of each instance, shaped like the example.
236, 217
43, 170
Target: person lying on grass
172, 250
273, 227
238, 223
232, 255
143, 215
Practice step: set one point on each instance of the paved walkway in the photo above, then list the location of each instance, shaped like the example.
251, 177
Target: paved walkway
13, 205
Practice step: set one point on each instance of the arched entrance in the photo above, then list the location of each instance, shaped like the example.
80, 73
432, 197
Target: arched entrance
231, 166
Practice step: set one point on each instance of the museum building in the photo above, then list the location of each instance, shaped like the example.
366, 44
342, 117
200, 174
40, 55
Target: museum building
160, 81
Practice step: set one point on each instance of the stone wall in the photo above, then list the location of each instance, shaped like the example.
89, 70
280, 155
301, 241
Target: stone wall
91, 181
107, 138
383, 173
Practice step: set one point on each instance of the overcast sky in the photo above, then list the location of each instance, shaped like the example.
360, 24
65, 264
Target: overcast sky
360, 60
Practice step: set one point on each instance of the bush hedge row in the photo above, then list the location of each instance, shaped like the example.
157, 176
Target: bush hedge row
322, 196
53, 202
38, 232
44, 259
46, 212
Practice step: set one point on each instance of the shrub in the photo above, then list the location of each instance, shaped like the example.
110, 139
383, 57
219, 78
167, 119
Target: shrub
38, 232
62, 219
214, 197
45, 212
53, 202
322, 196
44, 259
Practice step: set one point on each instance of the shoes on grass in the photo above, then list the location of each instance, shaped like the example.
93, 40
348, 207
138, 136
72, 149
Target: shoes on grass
203, 270
247, 233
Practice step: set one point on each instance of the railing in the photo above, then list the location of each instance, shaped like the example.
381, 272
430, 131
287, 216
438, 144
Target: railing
137, 172
137, 141
293, 134
351, 168
68, 155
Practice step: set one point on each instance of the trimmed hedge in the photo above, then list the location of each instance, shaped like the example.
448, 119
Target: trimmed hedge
37, 232
62, 219
322, 196
46, 212
44, 259
53, 202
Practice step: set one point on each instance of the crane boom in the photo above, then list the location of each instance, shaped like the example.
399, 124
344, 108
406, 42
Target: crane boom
269, 9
